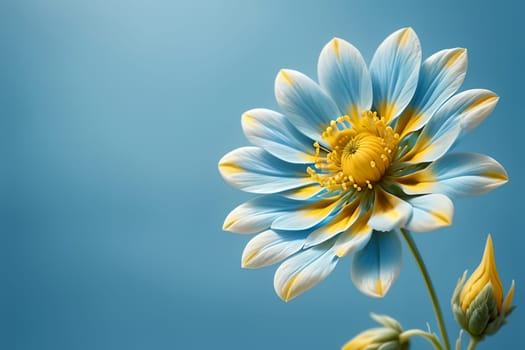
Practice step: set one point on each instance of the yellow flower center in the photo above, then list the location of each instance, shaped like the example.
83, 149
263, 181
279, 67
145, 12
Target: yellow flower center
360, 152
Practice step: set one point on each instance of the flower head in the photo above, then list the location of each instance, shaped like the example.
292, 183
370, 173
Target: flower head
355, 157
386, 337
478, 303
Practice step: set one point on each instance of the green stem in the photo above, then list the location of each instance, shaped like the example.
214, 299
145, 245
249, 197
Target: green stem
431, 292
403, 337
472, 344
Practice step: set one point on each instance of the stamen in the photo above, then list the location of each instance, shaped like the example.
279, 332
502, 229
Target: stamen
360, 152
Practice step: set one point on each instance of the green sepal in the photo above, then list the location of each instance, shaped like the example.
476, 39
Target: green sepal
481, 311
387, 321
391, 345
456, 305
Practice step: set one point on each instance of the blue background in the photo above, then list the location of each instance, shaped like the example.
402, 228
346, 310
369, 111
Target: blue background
113, 115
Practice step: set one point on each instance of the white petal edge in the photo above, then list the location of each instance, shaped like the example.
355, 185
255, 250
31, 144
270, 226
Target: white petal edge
270, 247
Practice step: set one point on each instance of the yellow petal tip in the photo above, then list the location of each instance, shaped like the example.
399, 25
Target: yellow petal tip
404, 35
379, 288
283, 74
335, 45
489, 250
245, 262
458, 53
286, 294
247, 118
228, 222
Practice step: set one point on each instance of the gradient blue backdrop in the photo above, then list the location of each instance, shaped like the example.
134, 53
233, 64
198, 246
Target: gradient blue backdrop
113, 115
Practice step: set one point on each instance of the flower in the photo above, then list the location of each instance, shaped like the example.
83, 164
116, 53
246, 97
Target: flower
354, 158
386, 337
478, 303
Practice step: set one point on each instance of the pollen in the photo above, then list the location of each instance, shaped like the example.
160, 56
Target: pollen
359, 152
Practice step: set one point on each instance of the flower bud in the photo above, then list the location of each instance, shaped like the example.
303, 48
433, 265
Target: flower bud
381, 338
478, 303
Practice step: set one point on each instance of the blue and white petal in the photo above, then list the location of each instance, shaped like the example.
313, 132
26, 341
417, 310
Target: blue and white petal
430, 212
304, 193
440, 77
456, 174
308, 215
338, 223
270, 247
308, 107
258, 214
378, 264
252, 169
354, 238
344, 75
274, 133
389, 211
395, 71
303, 271
460, 114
